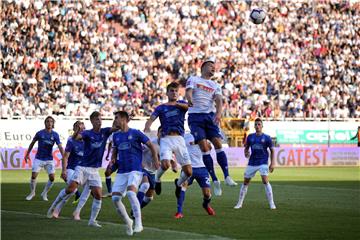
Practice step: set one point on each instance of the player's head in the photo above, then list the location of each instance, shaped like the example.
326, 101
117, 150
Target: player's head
208, 67
121, 119
79, 124
49, 122
258, 125
172, 91
95, 119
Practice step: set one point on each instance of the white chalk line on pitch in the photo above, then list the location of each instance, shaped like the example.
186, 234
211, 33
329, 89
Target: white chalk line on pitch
316, 187
117, 224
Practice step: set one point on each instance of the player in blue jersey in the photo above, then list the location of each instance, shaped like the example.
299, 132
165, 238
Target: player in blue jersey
74, 152
200, 174
46, 139
127, 152
205, 109
172, 117
87, 170
259, 144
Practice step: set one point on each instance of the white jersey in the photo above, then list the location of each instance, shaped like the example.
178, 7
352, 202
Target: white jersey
147, 160
204, 92
194, 151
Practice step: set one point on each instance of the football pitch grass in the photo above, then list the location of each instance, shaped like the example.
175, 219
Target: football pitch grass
312, 203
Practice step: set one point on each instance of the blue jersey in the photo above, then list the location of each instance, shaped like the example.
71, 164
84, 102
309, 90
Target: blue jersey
129, 148
46, 141
171, 118
259, 145
94, 147
76, 150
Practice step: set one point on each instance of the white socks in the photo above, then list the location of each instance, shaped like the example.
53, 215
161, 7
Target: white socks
83, 198
61, 197
182, 179
242, 194
48, 186
135, 206
144, 187
120, 208
95, 209
159, 173
32, 185
269, 194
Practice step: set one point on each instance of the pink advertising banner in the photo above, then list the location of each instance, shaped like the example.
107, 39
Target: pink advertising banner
13, 158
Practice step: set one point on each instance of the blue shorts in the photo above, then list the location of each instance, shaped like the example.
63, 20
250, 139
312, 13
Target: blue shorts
202, 126
201, 175
113, 167
151, 178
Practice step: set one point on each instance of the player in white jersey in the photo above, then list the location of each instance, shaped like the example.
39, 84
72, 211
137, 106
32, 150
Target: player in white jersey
200, 174
110, 169
147, 188
205, 109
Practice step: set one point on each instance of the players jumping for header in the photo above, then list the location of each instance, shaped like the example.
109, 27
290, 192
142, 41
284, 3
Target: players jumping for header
205, 109
200, 174
172, 117
46, 139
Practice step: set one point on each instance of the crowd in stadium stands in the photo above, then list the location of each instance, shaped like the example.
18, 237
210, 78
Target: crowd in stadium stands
70, 58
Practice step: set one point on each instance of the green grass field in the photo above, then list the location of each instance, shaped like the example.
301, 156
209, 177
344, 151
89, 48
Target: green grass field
312, 203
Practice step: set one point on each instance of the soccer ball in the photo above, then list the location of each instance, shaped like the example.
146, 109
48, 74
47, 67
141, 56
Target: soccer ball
257, 16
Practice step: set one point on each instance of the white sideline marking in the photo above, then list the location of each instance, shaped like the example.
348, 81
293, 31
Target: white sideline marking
117, 224
317, 188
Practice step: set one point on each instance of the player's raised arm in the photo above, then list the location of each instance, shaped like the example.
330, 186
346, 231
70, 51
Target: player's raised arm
149, 123
154, 154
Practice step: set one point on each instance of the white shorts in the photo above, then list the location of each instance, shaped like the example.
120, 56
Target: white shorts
250, 171
69, 175
176, 145
87, 175
49, 166
123, 180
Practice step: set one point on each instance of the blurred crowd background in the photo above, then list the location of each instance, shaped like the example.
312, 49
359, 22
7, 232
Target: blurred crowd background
71, 58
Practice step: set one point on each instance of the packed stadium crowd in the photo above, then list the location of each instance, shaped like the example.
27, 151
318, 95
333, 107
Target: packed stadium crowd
71, 58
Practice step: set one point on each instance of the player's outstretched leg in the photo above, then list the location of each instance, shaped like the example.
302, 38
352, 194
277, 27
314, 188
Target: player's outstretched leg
223, 162
96, 206
108, 186
121, 210
269, 195
32, 189
47, 188
158, 175
242, 194
135, 206
180, 201
83, 198
63, 196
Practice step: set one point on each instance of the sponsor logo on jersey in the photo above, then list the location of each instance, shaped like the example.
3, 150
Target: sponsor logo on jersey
205, 88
